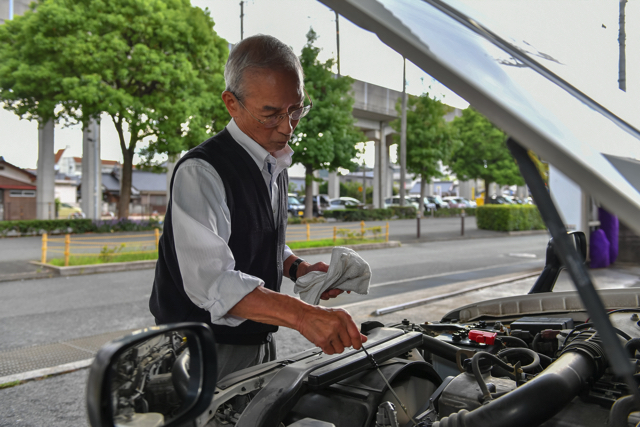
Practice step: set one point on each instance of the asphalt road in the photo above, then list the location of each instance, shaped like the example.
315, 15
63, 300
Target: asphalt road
43, 311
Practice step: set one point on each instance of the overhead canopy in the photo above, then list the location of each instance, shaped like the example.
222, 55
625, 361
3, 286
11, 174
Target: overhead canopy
544, 113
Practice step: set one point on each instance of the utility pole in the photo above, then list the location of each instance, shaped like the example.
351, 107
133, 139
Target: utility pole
622, 72
241, 19
338, 40
403, 137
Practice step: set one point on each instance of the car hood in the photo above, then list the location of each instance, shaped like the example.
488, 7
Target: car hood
544, 113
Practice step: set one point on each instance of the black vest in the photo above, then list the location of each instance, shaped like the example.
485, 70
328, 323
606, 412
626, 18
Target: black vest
256, 241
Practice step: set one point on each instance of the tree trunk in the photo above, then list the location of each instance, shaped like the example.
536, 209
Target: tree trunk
622, 36
487, 196
308, 192
423, 191
125, 185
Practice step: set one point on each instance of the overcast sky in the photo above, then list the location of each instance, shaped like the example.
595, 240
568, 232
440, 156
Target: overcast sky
581, 34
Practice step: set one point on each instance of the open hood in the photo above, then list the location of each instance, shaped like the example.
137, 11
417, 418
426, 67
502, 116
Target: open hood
521, 95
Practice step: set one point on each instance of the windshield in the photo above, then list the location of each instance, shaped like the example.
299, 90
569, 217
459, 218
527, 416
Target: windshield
294, 201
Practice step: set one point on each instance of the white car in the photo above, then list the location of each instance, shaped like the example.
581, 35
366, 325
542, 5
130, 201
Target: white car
395, 201
345, 203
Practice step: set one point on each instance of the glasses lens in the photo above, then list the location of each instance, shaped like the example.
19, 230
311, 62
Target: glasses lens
274, 121
300, 112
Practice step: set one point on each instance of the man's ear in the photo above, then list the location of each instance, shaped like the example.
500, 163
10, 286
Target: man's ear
231, 102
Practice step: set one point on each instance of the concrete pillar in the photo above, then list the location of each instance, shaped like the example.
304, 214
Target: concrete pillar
380, 169
334, 185
91, 190
466, 188
522, 192
390, 180
45, 181
315, 184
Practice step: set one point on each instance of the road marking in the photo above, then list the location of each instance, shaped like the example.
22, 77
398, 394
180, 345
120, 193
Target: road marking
40, 373
433, 276
523, 255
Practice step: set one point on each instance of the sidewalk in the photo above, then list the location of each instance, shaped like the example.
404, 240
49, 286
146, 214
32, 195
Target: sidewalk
29, 363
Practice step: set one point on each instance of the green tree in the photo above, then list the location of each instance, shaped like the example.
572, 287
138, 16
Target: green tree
430, 138
154, 66
483, 153
327, 136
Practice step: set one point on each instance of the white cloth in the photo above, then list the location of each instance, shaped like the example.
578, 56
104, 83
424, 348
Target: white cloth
347, 271
202, 227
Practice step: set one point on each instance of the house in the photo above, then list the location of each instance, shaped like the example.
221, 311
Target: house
17, 192
69, 165
148, 191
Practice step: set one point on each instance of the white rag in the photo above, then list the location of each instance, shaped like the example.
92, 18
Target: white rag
347, 271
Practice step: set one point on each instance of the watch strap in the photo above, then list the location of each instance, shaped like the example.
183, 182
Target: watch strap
293, 270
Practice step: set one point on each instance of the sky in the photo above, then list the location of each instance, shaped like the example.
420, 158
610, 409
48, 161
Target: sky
582, 34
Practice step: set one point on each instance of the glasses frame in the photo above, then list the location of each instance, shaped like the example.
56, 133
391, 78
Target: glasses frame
282, 116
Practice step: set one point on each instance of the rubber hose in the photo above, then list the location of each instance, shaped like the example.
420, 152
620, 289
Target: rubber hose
517, 342
620, 411
632, 345
532, 354
534, 402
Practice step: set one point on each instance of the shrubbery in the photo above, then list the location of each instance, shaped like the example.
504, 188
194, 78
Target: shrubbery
297, 220
509, 217
452, 212
360, 214
76, 226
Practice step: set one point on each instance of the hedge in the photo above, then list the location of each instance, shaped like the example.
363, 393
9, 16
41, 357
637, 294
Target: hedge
451, 212
509, 217
76, 226
359, 214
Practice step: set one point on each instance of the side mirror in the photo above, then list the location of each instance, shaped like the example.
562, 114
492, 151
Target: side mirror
160, 376
553, 265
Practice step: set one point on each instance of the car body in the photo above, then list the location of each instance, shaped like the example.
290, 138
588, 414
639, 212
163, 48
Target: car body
68, 211
321, 202
455, 202
395, 201
438, 201
545, 358
345, 203
427, 205
295, 207
499, 200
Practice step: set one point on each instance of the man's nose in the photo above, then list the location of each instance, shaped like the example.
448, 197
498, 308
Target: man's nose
287, 125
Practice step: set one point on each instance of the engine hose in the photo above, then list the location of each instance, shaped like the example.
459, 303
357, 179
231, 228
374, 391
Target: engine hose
542, 397
475, 366
632, 345
620, 411
515, 341
535, 363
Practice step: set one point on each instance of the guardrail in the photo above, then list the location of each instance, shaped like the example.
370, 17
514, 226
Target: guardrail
321, 232
107, 246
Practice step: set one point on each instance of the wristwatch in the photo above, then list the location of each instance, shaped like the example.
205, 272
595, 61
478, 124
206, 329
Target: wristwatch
293, 270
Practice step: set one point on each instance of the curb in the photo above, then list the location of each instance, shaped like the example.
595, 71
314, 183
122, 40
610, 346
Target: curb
26, 276
40, 373
528, 232
362, 247
98, 268
423, 301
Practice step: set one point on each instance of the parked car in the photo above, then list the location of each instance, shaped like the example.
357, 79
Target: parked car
395, 201
498, 200
454, 202
67, 211
295, 208
437, 200
467, 202
320, 204
541, 359
345, 203
427, 205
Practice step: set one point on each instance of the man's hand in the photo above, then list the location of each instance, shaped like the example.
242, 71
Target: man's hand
305, 268
331, 329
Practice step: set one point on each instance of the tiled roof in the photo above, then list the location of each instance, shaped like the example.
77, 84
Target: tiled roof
148, 181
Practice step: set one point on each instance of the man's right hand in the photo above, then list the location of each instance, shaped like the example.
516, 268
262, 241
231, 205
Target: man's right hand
331, 329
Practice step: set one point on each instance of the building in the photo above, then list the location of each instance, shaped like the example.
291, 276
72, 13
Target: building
148, 192
17, 193
69, 165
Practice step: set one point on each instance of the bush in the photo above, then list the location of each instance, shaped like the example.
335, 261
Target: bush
76, 226
403, 212
452, 212
509, 217
359, 214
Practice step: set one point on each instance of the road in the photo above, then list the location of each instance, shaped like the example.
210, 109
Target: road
37, 312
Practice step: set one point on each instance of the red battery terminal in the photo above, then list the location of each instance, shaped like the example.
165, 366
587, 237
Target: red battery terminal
483, 337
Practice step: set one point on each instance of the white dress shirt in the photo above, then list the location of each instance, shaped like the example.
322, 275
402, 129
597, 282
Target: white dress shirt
202, 226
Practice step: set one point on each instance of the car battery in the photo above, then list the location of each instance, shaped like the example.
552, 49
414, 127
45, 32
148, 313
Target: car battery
534, 325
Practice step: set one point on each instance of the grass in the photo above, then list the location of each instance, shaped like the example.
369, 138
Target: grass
10, 384
97, 259
320, 243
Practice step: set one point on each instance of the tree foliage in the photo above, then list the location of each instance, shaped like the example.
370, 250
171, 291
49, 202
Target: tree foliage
430, 138
154, 66
327, 136
483, 153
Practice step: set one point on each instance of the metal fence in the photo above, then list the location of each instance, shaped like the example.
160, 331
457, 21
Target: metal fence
308, 232
103, 247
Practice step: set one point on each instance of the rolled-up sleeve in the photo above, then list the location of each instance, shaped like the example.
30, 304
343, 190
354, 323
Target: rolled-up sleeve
201, 230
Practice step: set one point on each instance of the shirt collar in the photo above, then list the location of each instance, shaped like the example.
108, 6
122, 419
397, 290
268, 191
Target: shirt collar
256, 151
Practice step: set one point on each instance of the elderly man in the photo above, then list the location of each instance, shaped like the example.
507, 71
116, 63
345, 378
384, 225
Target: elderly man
222, 252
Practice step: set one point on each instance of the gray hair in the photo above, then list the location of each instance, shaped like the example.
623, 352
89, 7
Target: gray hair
255, 52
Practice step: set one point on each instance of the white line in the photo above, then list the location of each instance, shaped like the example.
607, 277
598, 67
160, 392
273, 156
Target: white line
432, 276
39, 373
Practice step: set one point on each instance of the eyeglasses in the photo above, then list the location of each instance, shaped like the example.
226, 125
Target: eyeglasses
275, 120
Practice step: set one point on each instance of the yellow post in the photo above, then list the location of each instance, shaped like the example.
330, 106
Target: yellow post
387, 232
335, 233
44, 248
157, 232
362, 229
67, 244
308, 232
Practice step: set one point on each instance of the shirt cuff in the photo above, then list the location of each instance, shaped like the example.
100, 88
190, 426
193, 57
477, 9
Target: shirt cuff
287, 253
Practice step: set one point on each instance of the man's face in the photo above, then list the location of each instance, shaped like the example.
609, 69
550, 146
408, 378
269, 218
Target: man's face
267, 93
